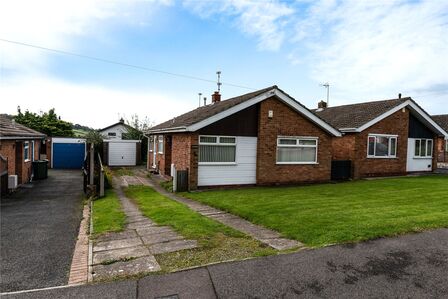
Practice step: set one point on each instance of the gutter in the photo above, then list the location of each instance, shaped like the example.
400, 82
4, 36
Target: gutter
21, 138
167, 130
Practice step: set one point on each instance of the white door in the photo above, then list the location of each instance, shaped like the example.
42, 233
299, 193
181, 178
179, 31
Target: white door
419, 155
244, 171
122, 153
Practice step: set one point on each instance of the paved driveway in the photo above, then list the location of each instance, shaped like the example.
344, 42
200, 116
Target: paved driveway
39, 227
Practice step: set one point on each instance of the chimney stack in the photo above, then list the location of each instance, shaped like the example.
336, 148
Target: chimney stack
216, 97
322, 105
399, 95
205, 101
122, 120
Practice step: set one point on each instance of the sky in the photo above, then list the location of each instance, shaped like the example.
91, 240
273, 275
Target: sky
366, 50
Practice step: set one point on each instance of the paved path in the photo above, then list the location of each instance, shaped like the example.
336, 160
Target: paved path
409, 266
132, 251
264, 235
39, 227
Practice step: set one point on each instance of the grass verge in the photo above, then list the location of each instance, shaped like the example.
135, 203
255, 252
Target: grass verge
107, 214
326, 214
217, 242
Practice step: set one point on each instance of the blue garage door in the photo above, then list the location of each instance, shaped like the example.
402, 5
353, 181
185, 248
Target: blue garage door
68, 155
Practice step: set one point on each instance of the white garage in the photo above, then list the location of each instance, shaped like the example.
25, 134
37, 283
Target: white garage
122, 152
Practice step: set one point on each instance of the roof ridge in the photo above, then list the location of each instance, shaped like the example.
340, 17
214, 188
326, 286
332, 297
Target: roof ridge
367, 102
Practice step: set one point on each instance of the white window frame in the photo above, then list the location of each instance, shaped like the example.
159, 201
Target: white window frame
150, 144
425, 140
446, 145
297, 145
390, 155
26, 146
32, 150
218, 143
160, 140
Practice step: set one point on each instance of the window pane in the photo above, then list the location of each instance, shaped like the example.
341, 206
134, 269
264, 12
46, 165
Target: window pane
417, 148
227, 139
296, 154
382, 147
307, 142
208, 139
371, 146
216, 153
393, 146
287, 141
429, 148
423, 148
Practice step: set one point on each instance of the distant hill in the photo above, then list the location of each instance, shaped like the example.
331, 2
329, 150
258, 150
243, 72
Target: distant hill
80, 130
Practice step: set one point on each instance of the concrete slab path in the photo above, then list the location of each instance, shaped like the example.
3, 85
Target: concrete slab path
132, 251
264, 235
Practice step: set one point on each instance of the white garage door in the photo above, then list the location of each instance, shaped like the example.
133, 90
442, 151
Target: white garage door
122, 153
244, 171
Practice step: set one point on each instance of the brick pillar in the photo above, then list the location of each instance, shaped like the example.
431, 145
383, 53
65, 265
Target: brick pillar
194, 156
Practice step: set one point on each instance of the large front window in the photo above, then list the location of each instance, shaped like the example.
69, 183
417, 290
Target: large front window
382, 146
217, 149
423, 148
296, 150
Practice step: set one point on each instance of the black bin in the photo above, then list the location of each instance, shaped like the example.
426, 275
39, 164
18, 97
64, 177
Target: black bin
40, 169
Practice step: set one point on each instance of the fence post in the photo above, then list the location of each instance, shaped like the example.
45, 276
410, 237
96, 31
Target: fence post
174, 174
92, 164
101, 182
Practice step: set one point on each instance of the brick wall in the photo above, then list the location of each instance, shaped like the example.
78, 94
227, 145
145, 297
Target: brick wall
184, 155
8, 150
287, 122
442, 154
396, 124
14, 152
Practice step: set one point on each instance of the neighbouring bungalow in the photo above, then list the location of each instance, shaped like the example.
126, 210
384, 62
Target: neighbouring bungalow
442, 143
382, 138
264, 137
116, 130
19, 145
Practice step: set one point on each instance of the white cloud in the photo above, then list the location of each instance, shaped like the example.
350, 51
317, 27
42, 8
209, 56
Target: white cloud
55, 24
90, 105
374, 48
265, 20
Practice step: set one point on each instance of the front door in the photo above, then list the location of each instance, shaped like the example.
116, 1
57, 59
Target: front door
420, 154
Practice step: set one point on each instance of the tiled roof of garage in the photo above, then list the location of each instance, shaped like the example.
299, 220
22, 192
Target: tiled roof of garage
11, 129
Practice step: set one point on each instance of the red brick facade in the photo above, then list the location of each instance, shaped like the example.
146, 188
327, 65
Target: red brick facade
353, 146
14, 151
287, 122
181, 150
442, 150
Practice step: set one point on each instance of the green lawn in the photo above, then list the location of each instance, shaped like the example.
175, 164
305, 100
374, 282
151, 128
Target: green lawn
107, 214
217, 241
325, 214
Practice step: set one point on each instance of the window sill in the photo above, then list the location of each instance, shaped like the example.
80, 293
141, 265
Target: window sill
160, 153
297, 163
27, 160
371, 157
216, 163
418, 158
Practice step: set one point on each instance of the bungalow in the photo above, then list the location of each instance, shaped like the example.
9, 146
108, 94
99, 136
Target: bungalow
116, 130
442, 144
263, 137
20, 146
382, 138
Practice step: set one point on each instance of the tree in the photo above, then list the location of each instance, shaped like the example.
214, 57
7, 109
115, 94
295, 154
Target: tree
136, 131
48, 123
